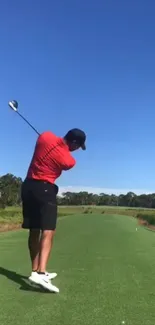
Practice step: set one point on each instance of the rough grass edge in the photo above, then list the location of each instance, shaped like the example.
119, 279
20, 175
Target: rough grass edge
146, 220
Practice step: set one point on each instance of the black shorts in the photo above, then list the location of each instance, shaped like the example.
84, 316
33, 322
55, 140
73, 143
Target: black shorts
39, 205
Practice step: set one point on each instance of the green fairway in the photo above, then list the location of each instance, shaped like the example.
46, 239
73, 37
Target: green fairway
106, 275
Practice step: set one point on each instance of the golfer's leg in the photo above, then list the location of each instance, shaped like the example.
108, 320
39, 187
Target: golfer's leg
31, 219
41, 278
45, 249
45, 217
34, 247
48, 219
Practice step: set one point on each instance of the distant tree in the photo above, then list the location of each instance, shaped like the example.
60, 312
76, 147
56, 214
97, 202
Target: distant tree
10, 187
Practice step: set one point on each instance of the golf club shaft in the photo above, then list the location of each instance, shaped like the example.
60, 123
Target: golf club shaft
14, 106
27, 122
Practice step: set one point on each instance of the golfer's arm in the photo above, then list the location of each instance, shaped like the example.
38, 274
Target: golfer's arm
68, 163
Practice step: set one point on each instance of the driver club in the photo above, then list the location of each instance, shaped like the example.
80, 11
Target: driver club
14, 106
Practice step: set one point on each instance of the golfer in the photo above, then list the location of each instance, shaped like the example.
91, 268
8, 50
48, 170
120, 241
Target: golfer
52, 155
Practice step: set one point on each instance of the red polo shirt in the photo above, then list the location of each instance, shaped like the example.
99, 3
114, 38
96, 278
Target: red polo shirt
51, 156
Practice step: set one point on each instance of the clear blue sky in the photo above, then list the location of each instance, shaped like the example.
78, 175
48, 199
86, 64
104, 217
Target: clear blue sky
87, 64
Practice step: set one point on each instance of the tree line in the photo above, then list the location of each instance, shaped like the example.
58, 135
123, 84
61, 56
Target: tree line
128, 200
10, 195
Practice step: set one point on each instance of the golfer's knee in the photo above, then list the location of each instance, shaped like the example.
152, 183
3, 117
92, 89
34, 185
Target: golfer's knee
48, 234
34, 234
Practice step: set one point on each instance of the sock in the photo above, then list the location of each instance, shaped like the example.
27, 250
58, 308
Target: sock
41, 272
34, 270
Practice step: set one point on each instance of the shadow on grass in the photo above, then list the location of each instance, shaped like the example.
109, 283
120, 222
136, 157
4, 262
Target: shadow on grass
21, 280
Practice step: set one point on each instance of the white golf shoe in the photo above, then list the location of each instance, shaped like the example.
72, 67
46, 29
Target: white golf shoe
43, 281
50, 276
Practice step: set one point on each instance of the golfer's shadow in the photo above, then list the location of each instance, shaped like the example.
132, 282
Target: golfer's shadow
20, 280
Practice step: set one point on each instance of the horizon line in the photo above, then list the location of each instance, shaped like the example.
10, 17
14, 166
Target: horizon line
98, 190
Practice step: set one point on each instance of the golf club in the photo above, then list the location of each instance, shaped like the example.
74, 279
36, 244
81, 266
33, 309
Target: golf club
14, 106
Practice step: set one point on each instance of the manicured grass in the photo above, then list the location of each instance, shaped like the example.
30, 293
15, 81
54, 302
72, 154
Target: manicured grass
106, 275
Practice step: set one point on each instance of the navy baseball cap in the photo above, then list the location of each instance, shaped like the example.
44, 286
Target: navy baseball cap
77, 136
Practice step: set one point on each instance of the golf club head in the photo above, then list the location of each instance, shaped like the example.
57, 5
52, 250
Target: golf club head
13, 105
